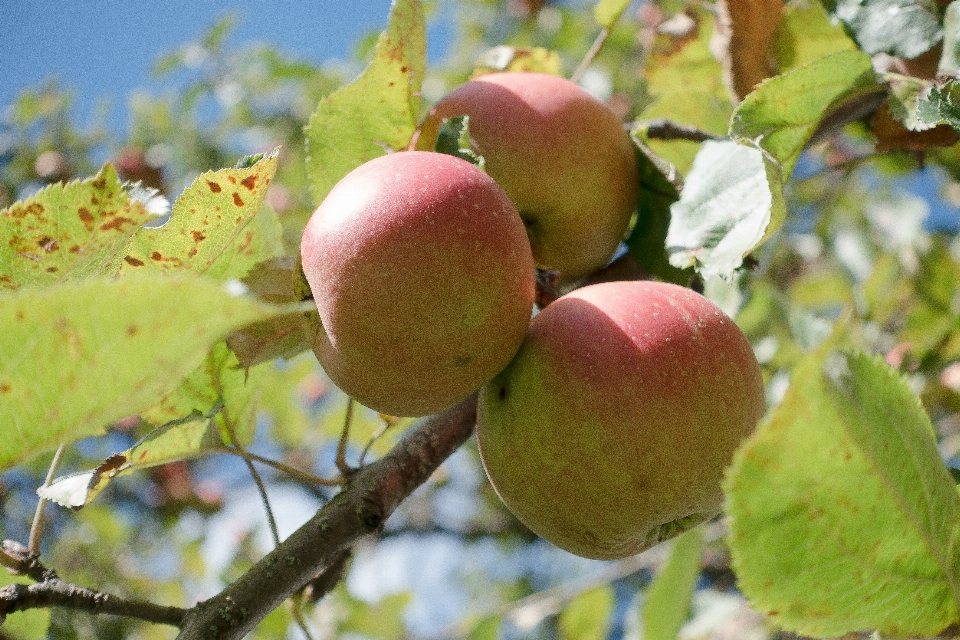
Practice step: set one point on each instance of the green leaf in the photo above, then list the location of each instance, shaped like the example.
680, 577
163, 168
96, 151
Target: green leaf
686, 86
941, 105
75, 357
587, 617
667, 605
214, 403
907, 94
453, 138
904, 28
843, 515
219, 381
377, 111
607, 12
806, 33
68, 232
382, 620
647, 239
784, 112
730, 198
486, 629
209, 230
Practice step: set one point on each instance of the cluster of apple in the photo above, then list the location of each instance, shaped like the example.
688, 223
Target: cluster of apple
605, 421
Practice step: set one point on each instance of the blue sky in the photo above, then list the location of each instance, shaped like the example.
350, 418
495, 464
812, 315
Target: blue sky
108, 47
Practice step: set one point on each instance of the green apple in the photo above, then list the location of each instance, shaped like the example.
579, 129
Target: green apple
611, 428
424, 280
562, 156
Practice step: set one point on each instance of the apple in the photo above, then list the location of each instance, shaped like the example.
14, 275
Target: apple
423, 278
611, 428
562, 156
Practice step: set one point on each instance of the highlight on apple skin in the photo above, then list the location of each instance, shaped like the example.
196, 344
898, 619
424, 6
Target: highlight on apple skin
562, 156
424, 280
611, 428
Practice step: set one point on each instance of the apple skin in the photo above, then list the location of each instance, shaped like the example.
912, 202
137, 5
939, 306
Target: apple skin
422, 273
562, 156
611, 428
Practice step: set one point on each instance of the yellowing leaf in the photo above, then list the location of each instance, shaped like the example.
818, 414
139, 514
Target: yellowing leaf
75, 357
209, 231
507, 58
843, 515
375, 113
607, 12
70, 231
686, 85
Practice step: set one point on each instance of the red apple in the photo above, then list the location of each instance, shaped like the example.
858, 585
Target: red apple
611, 428
424, 280
562, 156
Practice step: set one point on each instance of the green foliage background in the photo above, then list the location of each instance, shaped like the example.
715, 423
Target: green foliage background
795, 215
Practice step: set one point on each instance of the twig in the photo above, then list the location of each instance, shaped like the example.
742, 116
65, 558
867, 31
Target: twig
235, 442
591, 54
387, 423
36, 529
55, 592
356, 512
664, 129
301, 476
345, 469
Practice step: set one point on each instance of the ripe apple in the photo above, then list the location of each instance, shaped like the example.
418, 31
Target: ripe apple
611, 428
424, 280
561, 155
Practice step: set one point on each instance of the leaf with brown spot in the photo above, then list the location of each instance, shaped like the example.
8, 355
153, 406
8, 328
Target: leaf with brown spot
686, 86
95, 218
377, 111
72, 366
198, 240
744, 41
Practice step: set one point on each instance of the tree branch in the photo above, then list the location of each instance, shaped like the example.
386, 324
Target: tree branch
359, 510
54, 592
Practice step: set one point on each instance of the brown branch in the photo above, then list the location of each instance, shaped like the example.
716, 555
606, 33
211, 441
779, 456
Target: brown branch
358, 511
54, 592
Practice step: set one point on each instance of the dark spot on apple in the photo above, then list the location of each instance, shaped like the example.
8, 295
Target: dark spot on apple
133, 262
232, 179
250, 182
502, 394
52, 269
100, 183
156, 255
237, 200
197, 236
74, 249
133, 330
193, 251
20, 316
462, 361
214, 186
48, 244
5, 387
